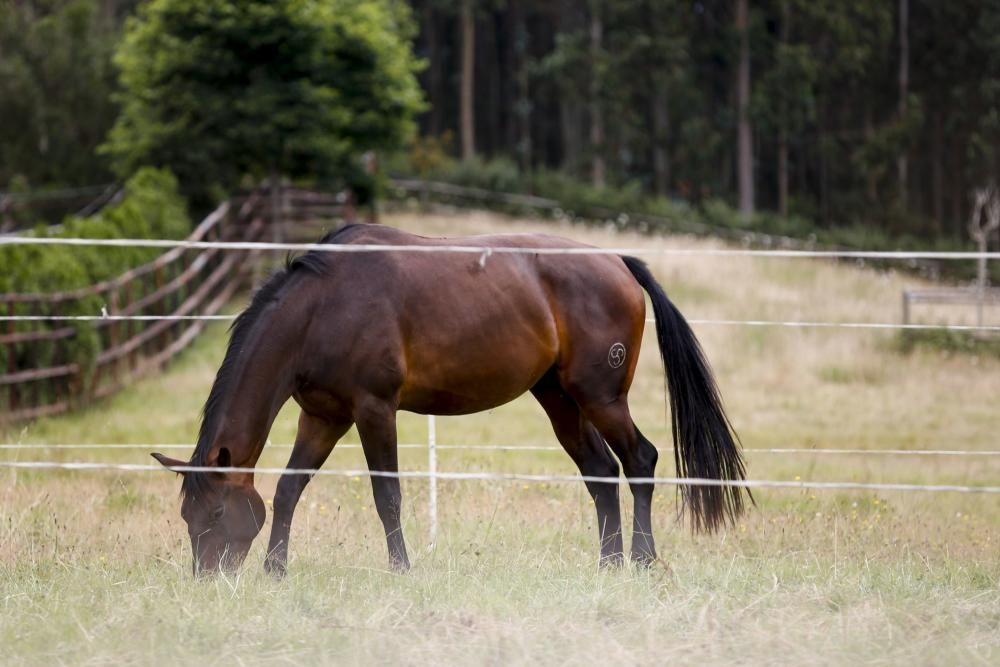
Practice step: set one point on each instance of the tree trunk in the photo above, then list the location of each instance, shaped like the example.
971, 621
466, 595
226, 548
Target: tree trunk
507, 25
783, 173
434, 68
745, 137
958, 193
109, 14
491, 66
937, 171
802, 166
783, 129
571, 123
822, 123
661, 126
904, 86
871, 179
597, 169
522, 93
468, 128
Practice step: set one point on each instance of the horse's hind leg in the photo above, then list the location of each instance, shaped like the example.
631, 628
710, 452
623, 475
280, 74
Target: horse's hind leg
587, 449
646, 455
376, 420
314, 441
638, 457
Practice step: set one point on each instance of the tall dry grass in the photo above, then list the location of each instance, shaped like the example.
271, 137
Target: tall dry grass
94, 567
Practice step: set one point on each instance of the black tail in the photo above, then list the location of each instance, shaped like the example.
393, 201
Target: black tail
705, 445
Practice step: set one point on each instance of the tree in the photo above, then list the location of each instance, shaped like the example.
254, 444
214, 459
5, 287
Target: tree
217, 90
565, 68
643, 61
904, 92
56, 80
784, 97
985, 139
468, 80
596, 52
744, 158
657, 95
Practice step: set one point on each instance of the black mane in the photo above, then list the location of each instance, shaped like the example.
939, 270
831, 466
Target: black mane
315, 262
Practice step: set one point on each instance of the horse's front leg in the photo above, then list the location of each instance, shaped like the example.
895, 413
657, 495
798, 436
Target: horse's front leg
314, 441
376, 420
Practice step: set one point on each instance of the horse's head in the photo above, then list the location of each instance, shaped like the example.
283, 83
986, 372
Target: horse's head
223, 512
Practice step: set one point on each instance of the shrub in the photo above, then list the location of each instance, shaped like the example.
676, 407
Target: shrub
501, 174
583, 201
952, 342
150, 208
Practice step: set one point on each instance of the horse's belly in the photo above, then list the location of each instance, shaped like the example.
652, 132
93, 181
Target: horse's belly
478, 373
460, 400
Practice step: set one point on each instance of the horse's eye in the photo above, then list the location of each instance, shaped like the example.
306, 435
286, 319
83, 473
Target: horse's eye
217, 513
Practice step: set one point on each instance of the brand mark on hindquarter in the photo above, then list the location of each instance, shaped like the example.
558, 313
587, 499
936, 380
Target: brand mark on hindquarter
616, 355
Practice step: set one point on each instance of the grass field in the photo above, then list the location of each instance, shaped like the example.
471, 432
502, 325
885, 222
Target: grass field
95, 566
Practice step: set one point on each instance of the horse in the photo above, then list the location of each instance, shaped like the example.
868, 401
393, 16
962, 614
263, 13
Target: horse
354, 337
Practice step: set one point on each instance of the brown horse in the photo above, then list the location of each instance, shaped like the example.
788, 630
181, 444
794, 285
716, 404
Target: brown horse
356, 337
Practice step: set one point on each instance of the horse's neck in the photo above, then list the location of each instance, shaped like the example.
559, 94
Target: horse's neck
261, 385
248, 422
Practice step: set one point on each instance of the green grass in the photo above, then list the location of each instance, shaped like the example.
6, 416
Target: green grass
95, 566
957, 342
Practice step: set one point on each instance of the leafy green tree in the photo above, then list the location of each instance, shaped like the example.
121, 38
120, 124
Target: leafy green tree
218, 90
56, 80
151, 207
985, 142
564, 71
784, 97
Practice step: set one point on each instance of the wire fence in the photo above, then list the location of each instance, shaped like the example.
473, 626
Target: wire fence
486, 251
821, 451
506, 477
793, 324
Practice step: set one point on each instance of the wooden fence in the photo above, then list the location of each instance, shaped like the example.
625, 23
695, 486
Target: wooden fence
24, 210
509, 202
953, 296
45, 372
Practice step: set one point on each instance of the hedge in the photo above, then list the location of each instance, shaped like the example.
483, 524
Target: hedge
151, 207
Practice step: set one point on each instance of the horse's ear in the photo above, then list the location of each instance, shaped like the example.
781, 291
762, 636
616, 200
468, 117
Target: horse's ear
168, 462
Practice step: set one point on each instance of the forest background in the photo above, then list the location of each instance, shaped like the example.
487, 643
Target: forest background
882, 116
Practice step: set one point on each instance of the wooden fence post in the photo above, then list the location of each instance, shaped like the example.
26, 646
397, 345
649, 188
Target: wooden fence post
113, 337
12, 357
36, 386
984, 221
162, 308
129, 328
432, 478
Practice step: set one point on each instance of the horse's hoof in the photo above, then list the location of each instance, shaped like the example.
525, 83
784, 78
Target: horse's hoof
612, 561
643, 559
275, 568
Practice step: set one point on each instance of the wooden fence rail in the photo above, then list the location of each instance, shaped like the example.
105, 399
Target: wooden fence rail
952, 296
44, 371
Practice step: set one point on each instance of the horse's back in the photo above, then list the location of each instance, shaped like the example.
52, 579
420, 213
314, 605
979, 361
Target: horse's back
469, 331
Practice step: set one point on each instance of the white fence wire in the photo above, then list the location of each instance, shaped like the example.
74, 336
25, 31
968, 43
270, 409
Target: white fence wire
485, 252
507, 477
823, 451
705, 322
433, 475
